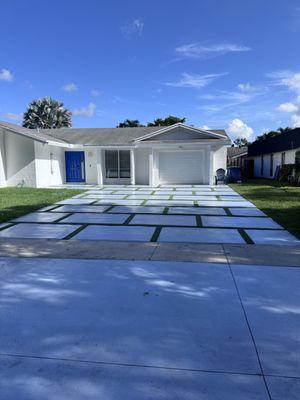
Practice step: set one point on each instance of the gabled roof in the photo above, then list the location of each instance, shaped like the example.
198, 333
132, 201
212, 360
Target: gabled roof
205, 133
237, 151
30, 133
100, 136
285, 141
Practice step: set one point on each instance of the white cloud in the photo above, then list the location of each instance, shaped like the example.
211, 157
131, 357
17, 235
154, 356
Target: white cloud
133, 28
95, 92
293, 82
198, 50
246, 87
6, 75
233, 97
205, 127
288, 107
295, 121
70, 87
286, 78
13, 116
237, 128
194, 80
87, 111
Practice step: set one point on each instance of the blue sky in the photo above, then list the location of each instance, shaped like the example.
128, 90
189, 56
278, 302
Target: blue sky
220, 63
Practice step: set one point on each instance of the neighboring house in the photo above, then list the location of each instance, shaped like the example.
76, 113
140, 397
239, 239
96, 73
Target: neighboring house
177, 154
268, 154
236, 156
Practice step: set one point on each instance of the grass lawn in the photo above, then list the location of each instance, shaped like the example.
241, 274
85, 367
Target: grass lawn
277, 200
15, 202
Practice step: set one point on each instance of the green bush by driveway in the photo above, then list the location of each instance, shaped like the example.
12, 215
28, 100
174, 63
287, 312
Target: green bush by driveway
277, 200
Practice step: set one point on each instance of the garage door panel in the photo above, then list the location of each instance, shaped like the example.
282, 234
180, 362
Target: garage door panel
184, 167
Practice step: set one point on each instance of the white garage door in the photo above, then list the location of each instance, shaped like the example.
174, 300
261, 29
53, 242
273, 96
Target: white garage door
182, 167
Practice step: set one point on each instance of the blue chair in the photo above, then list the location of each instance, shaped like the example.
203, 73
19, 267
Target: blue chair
220, 176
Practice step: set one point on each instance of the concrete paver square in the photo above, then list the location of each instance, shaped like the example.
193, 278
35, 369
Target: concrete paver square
135, 312
273, 313
224, 203
182, 193
38, 231
170, 203
47, 208
239, 222
197, 198
207, 195
76, 201
197, 210
150, 197
247, 212
126, 202
116, 233
105, 196
84, 381
283, 388
40, 217
107, 192
176, 220
272, 237
92, 218
89, 209
200, 235
158, 194
137, 209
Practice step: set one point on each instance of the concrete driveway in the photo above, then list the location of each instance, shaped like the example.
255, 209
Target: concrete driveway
172, 214
113, 296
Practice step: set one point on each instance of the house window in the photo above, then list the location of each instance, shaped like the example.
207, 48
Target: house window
282, 158
117, 164
271, 164
262, 165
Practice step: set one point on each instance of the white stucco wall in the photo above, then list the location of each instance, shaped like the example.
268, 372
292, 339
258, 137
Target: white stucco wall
50, 165
2, 160
218, 160
20, 160
289, 159
91, 164
142, 166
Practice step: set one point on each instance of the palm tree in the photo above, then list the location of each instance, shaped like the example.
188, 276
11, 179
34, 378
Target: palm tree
47, 113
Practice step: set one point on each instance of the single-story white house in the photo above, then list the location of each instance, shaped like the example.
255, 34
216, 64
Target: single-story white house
177, 154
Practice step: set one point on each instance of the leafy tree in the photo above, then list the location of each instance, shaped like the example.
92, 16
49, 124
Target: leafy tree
240, 141
170, 120
269, 134
130, 123
47, 113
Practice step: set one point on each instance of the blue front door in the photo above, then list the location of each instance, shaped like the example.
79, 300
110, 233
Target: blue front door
75, 169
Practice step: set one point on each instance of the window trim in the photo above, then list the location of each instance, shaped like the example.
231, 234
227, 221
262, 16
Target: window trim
118, 164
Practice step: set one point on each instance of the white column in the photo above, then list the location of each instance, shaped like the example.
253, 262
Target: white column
151, 167
155, 166
100, 169
132, 166
211, 166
